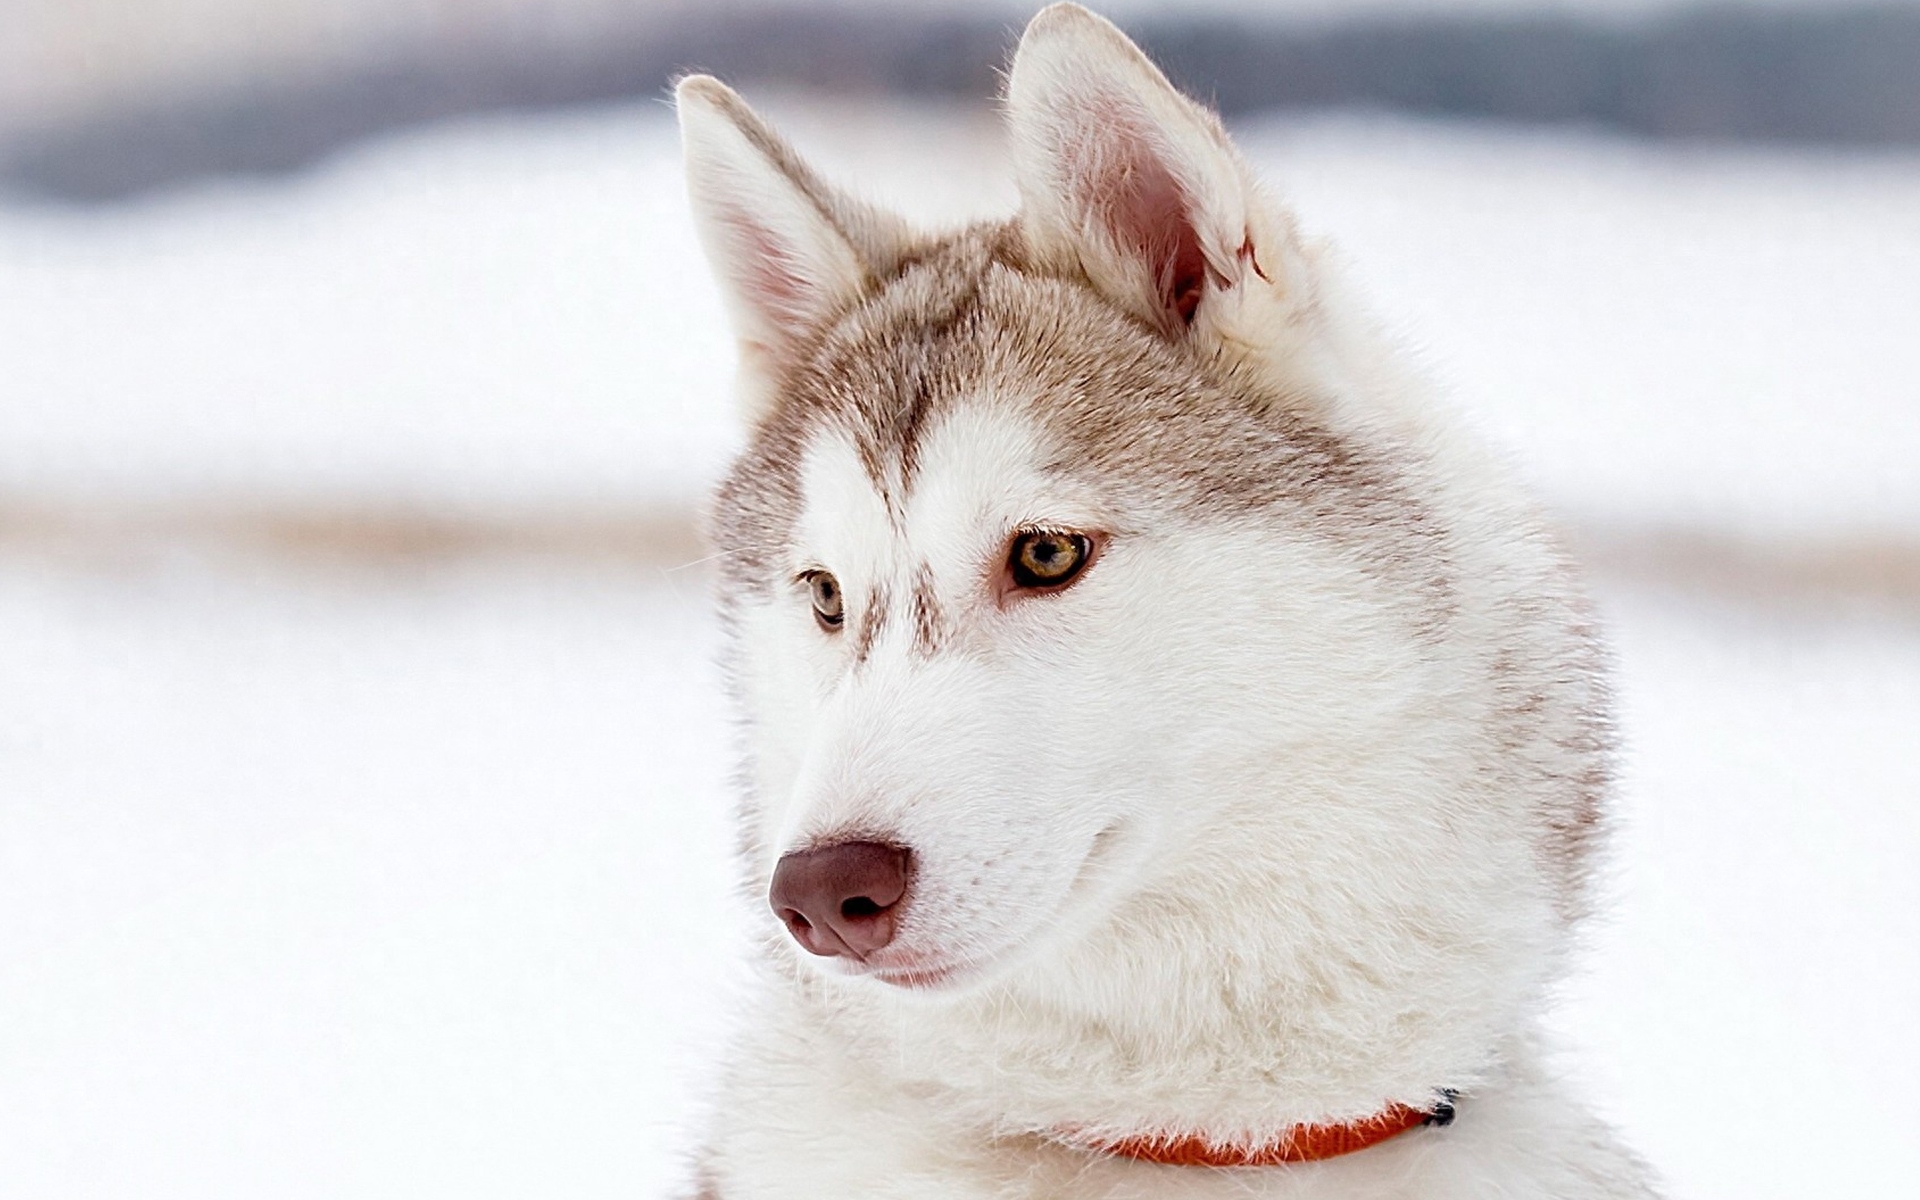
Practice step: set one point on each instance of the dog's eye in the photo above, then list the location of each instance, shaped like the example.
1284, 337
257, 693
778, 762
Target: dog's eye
828, 608
1045, 558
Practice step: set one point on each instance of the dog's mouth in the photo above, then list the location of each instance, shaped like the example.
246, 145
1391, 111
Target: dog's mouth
933, 972
918, 978
909, 970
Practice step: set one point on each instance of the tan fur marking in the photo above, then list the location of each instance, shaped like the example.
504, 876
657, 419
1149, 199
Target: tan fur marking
926, 613
871, 624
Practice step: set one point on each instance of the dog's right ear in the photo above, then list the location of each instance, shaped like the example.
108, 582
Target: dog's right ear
790, 251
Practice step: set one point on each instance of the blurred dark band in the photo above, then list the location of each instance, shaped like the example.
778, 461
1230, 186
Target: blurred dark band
1812, 76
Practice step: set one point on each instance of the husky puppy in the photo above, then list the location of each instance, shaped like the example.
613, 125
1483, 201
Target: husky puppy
1174, 752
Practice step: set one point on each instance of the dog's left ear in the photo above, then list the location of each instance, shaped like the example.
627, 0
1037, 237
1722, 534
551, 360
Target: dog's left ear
1123, 174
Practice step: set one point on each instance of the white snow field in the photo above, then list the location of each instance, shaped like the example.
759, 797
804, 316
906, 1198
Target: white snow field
409, 877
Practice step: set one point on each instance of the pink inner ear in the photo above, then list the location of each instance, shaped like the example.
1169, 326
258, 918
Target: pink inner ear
1150, 214
770, 278
1138, 199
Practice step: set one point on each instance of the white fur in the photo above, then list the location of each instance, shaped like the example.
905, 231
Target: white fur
1216, 841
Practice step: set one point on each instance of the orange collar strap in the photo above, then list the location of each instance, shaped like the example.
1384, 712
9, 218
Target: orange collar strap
1302, 1143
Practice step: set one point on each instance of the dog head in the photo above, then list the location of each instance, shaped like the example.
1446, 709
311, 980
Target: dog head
1104, 611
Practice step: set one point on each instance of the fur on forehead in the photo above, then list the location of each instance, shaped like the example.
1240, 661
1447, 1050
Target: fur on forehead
1155, 423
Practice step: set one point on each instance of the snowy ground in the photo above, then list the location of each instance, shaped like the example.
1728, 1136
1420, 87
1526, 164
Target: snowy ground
409, 879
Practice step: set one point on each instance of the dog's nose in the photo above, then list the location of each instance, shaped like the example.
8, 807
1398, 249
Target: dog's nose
841, 899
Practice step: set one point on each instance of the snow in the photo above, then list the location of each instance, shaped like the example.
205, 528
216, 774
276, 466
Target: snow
413, 880
356, 886
1747, 1017
457, 319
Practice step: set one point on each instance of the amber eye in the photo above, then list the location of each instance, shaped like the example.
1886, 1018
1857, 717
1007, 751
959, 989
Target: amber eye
827, 606
1045, 558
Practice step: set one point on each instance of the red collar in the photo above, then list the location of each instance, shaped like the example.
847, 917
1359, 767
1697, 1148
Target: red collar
1302, 1143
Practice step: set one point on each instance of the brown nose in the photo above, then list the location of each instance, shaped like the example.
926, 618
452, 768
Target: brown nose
841, 899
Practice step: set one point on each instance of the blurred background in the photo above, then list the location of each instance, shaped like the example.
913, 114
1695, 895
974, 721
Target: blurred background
363, 764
